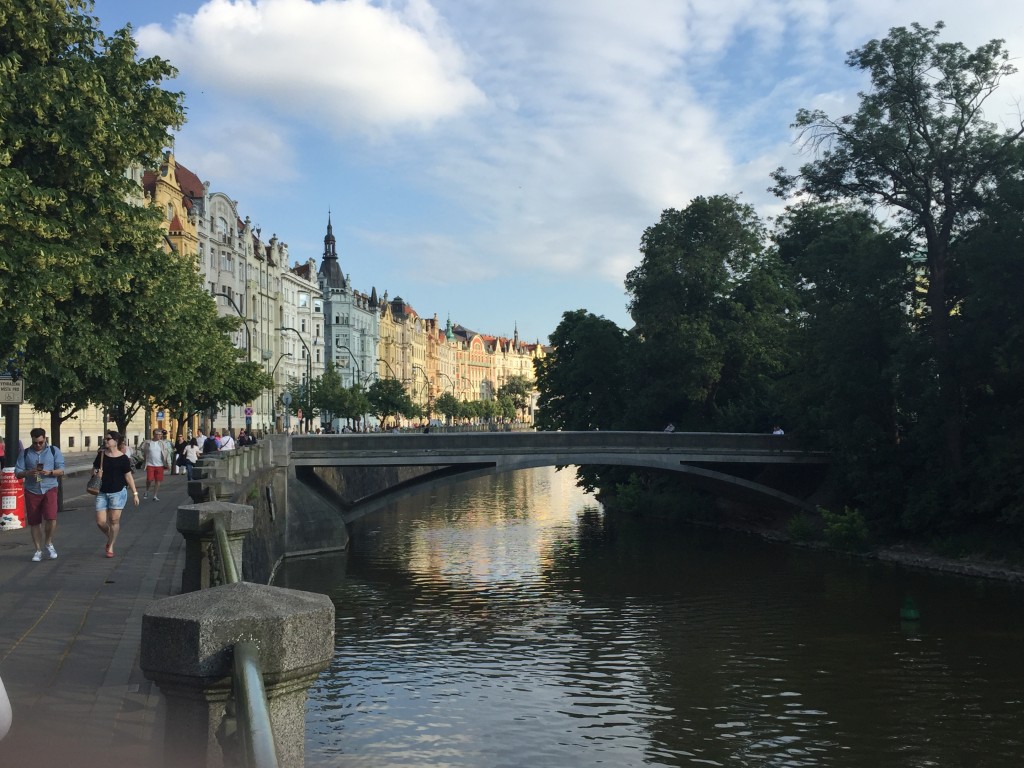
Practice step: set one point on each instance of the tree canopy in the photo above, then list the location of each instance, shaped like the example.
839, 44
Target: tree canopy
80, 111
920, 145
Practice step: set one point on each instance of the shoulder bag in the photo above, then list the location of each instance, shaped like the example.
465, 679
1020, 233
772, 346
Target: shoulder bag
93, 488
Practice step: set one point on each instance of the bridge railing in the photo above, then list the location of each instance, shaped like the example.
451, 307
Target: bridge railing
710, 442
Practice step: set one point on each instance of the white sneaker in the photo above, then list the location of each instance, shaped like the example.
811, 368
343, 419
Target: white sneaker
145, 495
155, 497
52, 551
37, 556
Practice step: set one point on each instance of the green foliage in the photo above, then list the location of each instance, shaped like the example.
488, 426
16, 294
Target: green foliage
919, 144
711, 313
802, 528
846, 530
584, 383
79, 110
448, 406
389, 400
518, 390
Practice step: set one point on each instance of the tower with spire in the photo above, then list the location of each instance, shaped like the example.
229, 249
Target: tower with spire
351, 318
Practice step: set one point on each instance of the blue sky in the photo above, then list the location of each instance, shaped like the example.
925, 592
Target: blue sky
497, 162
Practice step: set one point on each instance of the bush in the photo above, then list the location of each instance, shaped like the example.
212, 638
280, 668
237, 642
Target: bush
802, 527
845, 530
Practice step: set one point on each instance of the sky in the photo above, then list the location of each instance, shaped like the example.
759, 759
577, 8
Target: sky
496, 163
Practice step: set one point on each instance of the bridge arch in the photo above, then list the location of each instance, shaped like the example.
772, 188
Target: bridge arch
708, 460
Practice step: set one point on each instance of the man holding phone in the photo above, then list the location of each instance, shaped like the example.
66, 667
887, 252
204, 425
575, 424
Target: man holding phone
40, 465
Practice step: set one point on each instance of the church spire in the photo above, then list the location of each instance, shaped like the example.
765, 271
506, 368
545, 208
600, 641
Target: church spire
330, 270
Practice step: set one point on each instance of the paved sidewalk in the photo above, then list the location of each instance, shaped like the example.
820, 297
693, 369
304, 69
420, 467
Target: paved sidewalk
70, 633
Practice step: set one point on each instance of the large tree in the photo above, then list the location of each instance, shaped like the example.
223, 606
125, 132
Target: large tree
920, 146
79, 111
710, 310
850, 347
584, 382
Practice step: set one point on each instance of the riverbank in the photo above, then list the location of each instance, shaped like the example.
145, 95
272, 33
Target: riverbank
773, 528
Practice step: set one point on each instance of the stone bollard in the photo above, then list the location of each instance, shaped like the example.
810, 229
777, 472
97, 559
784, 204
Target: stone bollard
195, 523
188, 650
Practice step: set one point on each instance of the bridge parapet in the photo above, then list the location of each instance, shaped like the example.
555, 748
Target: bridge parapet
690, 446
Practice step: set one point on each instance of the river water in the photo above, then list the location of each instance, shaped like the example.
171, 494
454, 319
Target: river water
509, 621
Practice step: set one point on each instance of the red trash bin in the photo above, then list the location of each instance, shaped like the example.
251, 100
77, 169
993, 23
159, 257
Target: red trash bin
12, 501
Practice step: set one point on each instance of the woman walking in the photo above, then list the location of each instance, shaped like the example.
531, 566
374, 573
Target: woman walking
191, 456
115, 470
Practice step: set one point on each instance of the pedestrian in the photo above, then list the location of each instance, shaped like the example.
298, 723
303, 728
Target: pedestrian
227, 443
671, 427
40, 465
777, 430
115, 470
210, 446
179, 455
191, 456
158, 459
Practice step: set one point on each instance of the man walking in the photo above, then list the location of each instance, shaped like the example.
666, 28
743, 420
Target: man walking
158, 458
40, 465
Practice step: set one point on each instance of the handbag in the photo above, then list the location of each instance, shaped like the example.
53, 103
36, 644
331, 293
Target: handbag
93, 486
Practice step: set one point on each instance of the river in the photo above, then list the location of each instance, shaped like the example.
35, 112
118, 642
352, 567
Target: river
509, 621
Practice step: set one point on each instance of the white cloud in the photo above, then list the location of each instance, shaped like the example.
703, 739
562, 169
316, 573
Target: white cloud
544, 137
348, 66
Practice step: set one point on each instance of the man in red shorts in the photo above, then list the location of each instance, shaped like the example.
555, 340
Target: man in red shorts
40, 465
158, 459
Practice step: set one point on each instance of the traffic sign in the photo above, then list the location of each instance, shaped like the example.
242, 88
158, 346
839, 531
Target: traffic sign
12, 392
286, 398
248, 411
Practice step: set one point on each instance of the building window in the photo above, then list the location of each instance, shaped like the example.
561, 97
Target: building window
302, 325
303, 299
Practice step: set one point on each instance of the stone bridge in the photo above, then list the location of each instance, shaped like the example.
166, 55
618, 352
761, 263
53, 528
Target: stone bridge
720, 462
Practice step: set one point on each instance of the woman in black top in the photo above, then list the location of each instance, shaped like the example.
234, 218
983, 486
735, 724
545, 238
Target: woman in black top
116, 479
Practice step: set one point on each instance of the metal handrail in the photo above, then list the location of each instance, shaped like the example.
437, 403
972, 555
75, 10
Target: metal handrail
251, 709
229, 571
252, 713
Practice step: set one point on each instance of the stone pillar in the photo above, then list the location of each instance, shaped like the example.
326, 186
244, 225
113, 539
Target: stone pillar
188, 651
195, 523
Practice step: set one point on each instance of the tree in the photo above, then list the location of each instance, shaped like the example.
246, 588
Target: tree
585, 382
388, 398
79, 111
448, 406
519, 390
920, 146
710, 312
328, 395
846, 390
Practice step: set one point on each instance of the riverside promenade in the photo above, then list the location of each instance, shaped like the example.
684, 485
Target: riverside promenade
70, 632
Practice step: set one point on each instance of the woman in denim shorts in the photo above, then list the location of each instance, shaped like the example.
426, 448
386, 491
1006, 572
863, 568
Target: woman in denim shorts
115, 480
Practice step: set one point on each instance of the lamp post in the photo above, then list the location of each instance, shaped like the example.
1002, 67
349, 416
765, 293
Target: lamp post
273, 387
449, 381
309, 374
426, 383
359, 371
390, 369
245, 325
248, 339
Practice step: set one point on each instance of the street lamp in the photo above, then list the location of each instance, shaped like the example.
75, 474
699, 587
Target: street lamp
309, 375
426, 381
359, 371
245, 325
390, 369
273, 389
449, 381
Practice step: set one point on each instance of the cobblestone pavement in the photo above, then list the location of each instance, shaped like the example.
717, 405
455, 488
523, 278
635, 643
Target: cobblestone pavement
70, 632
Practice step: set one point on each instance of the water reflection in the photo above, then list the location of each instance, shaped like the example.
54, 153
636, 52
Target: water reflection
510, 622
